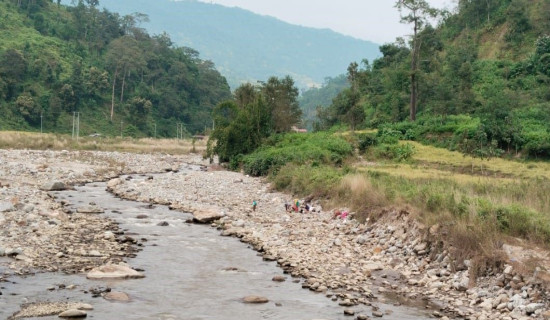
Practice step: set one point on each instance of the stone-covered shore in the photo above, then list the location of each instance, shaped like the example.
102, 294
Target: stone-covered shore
352, 263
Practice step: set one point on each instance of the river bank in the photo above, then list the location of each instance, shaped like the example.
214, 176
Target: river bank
40, 234
350, 262
354, 264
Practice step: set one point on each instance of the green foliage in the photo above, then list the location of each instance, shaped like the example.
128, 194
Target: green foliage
397, 152
258, 112
366, 140
312, 149
307, 179
57, 60
315, 99
476, 92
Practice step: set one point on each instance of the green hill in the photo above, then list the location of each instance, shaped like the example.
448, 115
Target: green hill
247, 46
57, 60
483, 77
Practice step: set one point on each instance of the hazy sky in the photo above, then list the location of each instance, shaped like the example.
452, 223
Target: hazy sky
375, 20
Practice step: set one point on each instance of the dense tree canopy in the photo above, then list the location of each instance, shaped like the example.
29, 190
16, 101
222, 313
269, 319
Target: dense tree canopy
474, 88
57, 60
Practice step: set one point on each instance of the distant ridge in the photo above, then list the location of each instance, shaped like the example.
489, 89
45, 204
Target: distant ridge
246, 46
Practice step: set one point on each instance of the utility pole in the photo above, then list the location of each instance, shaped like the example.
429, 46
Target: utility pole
41, 115
74, 116
77, 125
121, 122
155, 124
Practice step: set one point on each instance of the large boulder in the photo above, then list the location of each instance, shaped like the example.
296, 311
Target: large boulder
53, 186
206, 215
112, 271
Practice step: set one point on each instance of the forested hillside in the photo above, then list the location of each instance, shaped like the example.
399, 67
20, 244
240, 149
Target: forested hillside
248, 47
319, 98
56, 60
482, 80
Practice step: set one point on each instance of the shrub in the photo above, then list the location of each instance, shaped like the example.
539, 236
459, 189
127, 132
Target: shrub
366, 140
312, 149
397, 152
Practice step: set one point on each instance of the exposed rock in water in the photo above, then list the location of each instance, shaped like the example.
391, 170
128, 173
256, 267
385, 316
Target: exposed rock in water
90, 209
117, 296
112, 271
255, 299
279, 278
73, 313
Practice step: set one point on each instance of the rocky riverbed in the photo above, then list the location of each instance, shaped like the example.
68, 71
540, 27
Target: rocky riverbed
390, 259
39, 234
351, 263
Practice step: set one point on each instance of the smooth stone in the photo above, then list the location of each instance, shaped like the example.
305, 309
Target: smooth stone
279, 278
163, 224
73, 313
255, 299
85, 306
378, 314
349, 312
53, 186
112, 271
117, 296
206, 216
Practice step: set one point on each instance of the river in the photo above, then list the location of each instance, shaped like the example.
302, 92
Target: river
191, 273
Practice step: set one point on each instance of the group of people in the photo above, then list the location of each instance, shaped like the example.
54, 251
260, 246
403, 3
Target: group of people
296, 206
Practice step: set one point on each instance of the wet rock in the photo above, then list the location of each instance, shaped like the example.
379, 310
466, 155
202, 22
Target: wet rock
163, 224
349, 312
377, 313
112, 271
53, 186
362, 317
73, 313
142, 216
279, 278
85, 306
255, 299
117, 296
90, 209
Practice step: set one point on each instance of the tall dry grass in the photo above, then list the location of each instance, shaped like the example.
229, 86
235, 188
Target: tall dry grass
47, 141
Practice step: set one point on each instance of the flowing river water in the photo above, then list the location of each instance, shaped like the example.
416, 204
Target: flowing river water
191, 273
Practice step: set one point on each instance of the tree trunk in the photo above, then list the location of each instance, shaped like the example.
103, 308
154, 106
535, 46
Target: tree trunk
113, 94
413, 73
123, 83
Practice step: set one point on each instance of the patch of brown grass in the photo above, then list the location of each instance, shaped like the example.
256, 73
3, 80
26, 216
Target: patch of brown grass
46, 141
